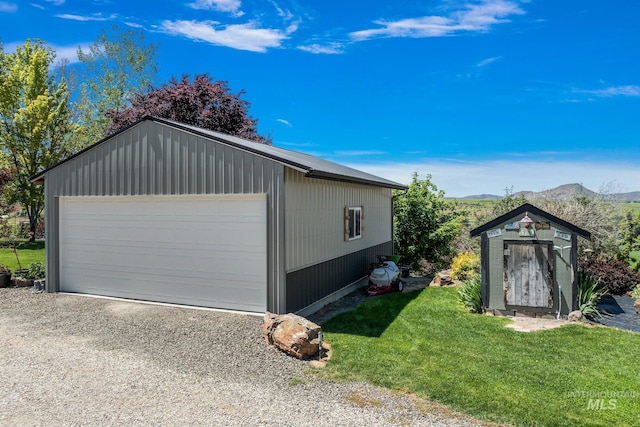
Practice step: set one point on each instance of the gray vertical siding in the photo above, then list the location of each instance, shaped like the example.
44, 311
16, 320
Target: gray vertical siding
315, 219
155, 159
308, 285
319, 261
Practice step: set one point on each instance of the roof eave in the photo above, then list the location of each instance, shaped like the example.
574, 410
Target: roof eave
336, 177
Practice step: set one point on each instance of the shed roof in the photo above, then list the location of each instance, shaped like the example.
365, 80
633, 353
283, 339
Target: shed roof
527, 207
311, 166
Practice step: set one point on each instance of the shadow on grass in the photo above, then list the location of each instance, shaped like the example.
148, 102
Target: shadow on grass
23, 245
360, 321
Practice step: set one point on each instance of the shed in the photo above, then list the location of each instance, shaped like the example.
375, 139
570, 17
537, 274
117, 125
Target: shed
168, 212
529, 263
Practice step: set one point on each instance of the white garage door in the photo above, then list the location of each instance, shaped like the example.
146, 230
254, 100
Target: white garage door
206, 251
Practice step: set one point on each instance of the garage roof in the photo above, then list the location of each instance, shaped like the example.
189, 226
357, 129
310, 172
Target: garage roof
312, 166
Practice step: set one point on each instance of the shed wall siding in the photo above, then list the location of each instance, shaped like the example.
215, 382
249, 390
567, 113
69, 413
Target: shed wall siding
156, 159
314, 219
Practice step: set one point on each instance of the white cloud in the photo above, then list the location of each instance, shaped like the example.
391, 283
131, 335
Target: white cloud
284, 122
132, 24
328, 49
231, 6
69, 52
628, 90
358, 153
242, 37
487, 61
460, 179
471, 18
8, 7
86, 18
286, 14
55, 2
296, 145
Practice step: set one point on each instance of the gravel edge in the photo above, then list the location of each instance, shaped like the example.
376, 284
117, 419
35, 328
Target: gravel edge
71, 360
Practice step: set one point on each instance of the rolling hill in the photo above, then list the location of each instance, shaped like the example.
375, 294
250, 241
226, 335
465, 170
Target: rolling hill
562, 192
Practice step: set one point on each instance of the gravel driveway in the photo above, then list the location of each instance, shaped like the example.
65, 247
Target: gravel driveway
73, 360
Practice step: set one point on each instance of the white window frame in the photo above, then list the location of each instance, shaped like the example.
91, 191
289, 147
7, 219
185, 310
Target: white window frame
354, 223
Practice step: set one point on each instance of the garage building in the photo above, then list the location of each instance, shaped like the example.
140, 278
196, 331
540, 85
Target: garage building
168, 212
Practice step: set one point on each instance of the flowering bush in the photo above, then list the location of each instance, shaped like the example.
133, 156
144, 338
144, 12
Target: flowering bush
465, 266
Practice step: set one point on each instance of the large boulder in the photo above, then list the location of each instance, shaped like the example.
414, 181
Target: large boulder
292, 334
443, 278
636, 306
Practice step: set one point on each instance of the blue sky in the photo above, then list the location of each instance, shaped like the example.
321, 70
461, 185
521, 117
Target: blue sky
482, 95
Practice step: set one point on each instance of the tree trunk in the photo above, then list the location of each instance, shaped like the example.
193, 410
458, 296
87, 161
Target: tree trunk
33, 223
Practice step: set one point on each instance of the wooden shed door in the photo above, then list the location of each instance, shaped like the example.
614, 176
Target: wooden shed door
528, 274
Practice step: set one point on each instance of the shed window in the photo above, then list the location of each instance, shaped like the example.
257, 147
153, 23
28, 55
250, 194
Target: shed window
353, 222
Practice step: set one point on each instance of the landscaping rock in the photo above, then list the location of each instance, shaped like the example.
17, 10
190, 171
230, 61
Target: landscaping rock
636, 306
38, 286
443, 278
21, 282
575, 316
292, 334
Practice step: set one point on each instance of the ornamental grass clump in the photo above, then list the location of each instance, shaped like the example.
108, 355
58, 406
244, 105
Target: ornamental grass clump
470, 294
589, 294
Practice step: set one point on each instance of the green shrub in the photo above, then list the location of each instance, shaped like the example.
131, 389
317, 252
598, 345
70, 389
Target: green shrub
426, 224
636, 293
589, 294
614, 275
471, 294
36, 271
465, 266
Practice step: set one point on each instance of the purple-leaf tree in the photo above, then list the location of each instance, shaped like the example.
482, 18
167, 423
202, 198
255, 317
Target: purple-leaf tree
204, 103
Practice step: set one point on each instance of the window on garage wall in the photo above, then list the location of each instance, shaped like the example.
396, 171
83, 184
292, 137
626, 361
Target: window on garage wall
353, 222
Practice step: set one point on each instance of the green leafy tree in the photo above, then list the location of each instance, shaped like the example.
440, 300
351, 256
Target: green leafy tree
629, 240
6, 176
425, 225
117, 66
35, 121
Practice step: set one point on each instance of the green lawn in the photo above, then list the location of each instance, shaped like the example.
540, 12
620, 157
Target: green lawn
27, 252
424, 342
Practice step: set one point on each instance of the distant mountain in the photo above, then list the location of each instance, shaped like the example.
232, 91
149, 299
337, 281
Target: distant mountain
633, 196
483, 197
563, 192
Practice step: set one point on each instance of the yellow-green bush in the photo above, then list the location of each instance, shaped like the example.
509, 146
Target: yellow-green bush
465, 266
